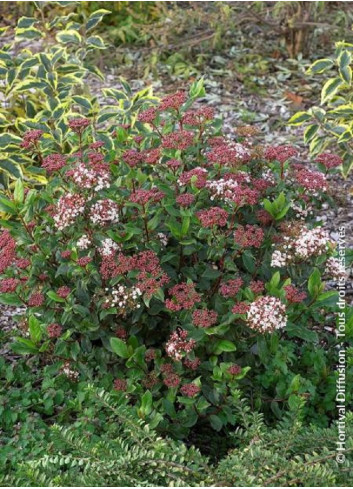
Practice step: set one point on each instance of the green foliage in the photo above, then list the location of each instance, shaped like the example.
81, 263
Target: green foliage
106, 445
330, 125
292, 454
39, 88
44, 90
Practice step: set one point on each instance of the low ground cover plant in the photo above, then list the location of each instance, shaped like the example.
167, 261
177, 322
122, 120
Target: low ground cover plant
97, 440
183, 263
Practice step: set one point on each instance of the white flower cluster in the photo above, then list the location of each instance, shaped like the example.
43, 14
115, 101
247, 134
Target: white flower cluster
268, 176
89, 178
301, 212
126, 299
104, 211
335, 268
311, 242
223, 189
241, 150
69, 372
278, 259
108, 247
267, 314
84, 242
163, 238
307, 243
69, 207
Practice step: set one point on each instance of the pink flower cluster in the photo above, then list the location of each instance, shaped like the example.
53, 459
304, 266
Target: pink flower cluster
84, 261
120, 385
174, 164
54, 330
63, 291
264, 217
125, 299
231, 287
302, 244
173, 101
151, 156
234, 369
150, 354
234, 188
54, 162
280, 153
335, 268
197, 177
246, 196
329, 160
311, 180
8, 285
183, 296
7, 250
198, 117
178, 140
148, 116
132, 157
121, 333
178, 344
143, 197
31, 137
192, 364
185, 200
23, 263
79, 125
150, 276
96, 177
215, 216
190, 390
249, 236
204, 318
228, 154
293, 295
96, 145
240, 308
257, 286
171, 380
36, 300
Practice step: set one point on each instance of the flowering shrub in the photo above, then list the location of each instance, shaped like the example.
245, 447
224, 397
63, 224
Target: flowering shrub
173, 256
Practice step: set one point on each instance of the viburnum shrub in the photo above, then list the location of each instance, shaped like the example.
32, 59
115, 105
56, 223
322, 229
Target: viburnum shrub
168, 259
